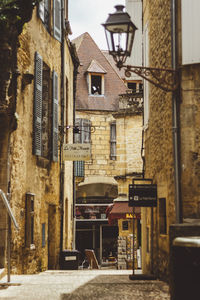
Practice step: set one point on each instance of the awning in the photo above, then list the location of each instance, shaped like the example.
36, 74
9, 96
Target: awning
98, 186
121, 210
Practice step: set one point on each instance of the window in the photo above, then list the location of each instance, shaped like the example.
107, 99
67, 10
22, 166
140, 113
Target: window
91, 212
132, 86
113, 141
84, 131
190, 38
79, 168
45, 127
162, 216
29, 225
124, 225
57, 19
46, 112
96, 85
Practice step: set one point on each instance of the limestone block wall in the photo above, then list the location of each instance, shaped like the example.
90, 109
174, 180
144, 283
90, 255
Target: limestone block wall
159, 132
32, 174
190, 141
100, 163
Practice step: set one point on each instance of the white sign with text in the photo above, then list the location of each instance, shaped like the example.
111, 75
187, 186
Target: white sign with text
77, 152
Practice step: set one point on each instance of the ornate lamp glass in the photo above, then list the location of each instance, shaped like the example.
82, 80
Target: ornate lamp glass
120, 32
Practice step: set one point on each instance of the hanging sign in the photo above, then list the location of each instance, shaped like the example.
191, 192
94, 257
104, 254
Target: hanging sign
143, 195
77, 152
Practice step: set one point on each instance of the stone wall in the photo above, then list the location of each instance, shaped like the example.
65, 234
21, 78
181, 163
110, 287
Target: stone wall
190, 141
35, 174
158, 135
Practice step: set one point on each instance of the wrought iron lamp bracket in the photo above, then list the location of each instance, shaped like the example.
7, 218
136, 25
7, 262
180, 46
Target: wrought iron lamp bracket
165, 79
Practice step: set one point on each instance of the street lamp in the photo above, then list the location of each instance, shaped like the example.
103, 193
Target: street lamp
120, 32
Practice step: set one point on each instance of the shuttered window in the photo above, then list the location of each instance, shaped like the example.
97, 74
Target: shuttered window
37, 130
55, 118
43, 11
45, 126
84, 128
79, 168
190, 23
113, 141
57, 19
83, 135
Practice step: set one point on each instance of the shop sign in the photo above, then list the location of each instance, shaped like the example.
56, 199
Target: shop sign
129, 216
76, 152
143, 195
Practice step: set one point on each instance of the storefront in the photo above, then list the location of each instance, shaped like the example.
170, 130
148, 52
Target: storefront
129, 232
92, 228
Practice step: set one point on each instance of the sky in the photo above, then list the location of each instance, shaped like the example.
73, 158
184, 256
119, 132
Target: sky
88, 15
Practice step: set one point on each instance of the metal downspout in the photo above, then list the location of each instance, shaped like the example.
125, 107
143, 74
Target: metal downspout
175, 116
62, 125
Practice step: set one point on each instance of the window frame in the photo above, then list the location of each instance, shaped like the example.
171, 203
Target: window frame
113, 141
90, 75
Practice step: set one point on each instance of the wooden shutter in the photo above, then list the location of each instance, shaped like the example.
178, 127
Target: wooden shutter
77, 136
190, 38
37, 127
41, 10
55, 118
85, 130
79, 168
57, 19
113, 141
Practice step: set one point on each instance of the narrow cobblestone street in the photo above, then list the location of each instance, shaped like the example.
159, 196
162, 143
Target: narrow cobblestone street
82, 285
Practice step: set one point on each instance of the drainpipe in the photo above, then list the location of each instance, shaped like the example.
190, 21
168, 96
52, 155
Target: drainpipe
176, 116
76, 64
62, 124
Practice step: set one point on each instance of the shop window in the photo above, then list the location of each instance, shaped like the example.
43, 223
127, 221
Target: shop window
90, 212
113, 141
29, 225
124, 225
162, 216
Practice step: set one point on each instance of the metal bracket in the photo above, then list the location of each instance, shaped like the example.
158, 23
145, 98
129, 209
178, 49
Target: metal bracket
165, 79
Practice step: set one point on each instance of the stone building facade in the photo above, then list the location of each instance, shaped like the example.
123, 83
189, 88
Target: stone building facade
171, 143
38, 182
114, 131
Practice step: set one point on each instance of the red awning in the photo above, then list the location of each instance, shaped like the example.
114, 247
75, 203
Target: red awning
121, 210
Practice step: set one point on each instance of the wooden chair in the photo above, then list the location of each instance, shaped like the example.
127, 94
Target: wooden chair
92, 259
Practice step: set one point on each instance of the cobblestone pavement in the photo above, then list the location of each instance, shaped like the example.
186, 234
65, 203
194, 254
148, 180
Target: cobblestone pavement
82, 285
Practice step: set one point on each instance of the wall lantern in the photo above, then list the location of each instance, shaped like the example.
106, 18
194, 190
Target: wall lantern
120, 32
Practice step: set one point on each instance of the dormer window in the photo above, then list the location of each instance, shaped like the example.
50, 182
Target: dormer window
95, 79
96, 84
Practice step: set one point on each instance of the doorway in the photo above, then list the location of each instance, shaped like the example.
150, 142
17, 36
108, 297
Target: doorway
52, 237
